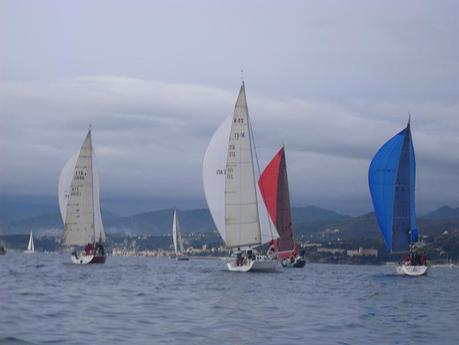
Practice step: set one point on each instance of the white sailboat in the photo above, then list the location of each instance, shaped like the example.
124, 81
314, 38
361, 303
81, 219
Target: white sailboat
79, 206
177, 238
232, 193
30, 246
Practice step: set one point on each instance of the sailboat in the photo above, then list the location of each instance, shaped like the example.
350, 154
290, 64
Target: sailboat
177, 238
232, 194
273, 184
391, 177
79, 206
30, 246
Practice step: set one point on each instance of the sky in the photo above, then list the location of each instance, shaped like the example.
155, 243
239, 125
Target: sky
331, 80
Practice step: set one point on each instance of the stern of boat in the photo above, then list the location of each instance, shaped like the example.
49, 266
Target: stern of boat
412, 270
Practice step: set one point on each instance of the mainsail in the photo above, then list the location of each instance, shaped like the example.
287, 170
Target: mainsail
177, 235
391, 178
30, 246
79, 198
229, 178
273, 184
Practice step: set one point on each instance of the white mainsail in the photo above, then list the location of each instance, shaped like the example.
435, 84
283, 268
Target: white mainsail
235, 203
79, 198
177, 235
30, 246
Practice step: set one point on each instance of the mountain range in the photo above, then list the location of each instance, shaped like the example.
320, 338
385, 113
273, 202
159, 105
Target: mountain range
309, 222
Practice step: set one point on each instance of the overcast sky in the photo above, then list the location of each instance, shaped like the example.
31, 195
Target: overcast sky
333, 80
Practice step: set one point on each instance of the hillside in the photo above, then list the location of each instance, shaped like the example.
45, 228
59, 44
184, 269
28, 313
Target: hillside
444, 212
309, 222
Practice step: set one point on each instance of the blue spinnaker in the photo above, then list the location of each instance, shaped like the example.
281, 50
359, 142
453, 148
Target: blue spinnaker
391, 178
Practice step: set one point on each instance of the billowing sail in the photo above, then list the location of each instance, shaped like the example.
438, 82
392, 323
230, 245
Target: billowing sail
79, 198
65, 182
177, 235
215, 181
214, 172
391, 178
30, 246
273, 184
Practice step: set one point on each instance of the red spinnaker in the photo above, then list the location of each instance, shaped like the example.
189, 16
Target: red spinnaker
273, 185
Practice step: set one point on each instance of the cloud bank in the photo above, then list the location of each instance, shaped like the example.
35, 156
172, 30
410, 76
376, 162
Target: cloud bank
150, 138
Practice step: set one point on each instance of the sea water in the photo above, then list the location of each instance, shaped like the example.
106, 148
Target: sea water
44, 299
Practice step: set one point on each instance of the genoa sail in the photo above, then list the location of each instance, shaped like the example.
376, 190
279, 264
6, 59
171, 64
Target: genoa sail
79, 198
214, 172
240, 217
273, 184
177, 235
391, 178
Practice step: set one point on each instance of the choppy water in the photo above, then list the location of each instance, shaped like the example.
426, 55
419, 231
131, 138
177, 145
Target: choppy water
130, 300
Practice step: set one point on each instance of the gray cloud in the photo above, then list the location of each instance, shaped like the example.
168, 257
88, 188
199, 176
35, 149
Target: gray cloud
332, 80
150, 138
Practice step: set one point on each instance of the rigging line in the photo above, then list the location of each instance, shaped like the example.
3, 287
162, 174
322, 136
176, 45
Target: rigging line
259, 173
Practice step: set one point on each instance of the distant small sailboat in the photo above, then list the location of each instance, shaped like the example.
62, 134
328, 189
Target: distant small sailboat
177, 238
391, 177
2, 249
232, 194
79, 206
30, 246
273, 184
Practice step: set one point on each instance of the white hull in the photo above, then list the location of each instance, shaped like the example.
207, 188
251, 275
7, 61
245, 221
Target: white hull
84, 259
257, 265
413, 271
29, 251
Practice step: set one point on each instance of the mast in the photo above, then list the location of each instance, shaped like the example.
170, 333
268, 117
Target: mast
252, 151
92, 187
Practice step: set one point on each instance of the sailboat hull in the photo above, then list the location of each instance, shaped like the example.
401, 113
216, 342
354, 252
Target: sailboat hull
257, 265
412, 270
84, 259
29, 251
182, 258
298, 263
